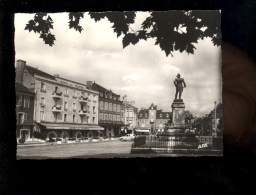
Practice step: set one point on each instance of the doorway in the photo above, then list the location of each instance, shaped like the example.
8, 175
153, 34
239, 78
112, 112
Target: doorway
25, 134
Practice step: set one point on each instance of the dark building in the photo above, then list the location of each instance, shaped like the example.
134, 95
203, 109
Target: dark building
109, 110
24, 112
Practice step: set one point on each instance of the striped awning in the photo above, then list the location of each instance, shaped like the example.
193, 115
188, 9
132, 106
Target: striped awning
71, 126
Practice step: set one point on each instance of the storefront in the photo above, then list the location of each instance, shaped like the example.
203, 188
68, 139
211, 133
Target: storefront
54, 130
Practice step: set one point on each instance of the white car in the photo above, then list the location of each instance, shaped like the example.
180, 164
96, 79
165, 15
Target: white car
128, 137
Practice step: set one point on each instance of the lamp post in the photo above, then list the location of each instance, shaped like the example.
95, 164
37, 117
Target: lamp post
215, 120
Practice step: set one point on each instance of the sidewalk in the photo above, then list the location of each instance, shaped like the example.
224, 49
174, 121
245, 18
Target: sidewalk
28, 144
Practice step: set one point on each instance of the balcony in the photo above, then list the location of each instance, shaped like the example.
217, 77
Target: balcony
82, 112
83, 99
42, 105
56, 95
57, 109
94, 112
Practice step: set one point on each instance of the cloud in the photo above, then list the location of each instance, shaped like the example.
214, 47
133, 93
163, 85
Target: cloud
130, 88
171, 67
113, 55
131, 77
156, 87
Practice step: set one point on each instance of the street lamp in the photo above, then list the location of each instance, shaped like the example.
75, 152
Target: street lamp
215, 120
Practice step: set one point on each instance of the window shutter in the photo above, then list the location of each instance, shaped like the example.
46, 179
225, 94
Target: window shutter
28, 101
25, 117
17, 118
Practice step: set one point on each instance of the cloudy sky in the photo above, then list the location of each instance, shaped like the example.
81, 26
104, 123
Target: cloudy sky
141, 71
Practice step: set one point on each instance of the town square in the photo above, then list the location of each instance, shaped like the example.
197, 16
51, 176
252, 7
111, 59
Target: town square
90, 94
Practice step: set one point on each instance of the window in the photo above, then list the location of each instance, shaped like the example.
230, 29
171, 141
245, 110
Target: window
77, 94
160, 115
110, 117
65, 118
106, 105
110, 96
21, 117
118, 117
105, 117
88, 119
65, 105
110, 106
43, 86
82, 119
114, 107
101, 105
26, 102
66, 91
93, 119
93, 109
152, 114
41, 115
101, 116
114, 97
74, 118
74, 106
118, 108
146, 115
89, 96
42, 100
114, 117
82, 93
146, 121
94, 98
18, 100
167, 115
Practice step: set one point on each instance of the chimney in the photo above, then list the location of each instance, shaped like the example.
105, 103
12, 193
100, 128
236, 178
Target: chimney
56, 75
89, 84
21, 65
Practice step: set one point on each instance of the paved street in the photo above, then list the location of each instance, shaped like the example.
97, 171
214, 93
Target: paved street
89, 149
107, 149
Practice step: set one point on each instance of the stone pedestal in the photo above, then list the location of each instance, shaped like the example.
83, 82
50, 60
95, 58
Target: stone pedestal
178, 116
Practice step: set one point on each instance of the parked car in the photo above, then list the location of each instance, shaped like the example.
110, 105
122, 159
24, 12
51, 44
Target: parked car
128, 137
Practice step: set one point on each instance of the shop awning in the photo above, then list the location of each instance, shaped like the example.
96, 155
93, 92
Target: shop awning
71, 126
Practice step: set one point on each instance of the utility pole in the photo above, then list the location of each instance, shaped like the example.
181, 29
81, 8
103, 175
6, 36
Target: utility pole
215, 119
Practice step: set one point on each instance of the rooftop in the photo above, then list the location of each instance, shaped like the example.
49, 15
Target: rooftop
33, 71
21, 88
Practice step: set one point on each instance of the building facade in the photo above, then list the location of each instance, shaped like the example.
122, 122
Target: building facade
62, 108
24, 112
153, 119
129, 115
109, 110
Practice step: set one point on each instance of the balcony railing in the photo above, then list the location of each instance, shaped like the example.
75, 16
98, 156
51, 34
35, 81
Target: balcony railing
57, 109
82, 112
56, 94
83, 99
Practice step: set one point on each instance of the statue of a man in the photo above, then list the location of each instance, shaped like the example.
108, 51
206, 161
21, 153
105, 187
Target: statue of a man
178, 84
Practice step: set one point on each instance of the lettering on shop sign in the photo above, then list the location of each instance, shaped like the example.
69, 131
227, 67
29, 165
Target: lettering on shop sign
66, 83
202, 146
